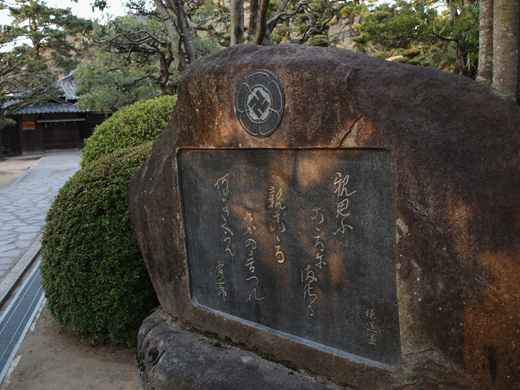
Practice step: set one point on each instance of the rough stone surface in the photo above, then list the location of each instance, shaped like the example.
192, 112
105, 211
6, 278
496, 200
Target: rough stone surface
456, 144
173, 358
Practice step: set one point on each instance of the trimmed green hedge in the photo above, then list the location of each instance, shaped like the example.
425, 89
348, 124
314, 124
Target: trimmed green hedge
133, 125
93, 274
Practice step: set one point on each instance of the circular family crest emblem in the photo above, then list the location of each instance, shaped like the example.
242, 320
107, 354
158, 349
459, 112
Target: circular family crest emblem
259, 103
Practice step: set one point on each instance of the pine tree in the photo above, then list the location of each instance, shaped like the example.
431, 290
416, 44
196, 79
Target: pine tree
53, 33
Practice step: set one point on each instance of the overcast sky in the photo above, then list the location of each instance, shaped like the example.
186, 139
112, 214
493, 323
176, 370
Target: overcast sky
82, 9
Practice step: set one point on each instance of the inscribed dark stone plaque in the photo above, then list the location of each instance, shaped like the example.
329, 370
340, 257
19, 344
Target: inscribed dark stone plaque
300, 243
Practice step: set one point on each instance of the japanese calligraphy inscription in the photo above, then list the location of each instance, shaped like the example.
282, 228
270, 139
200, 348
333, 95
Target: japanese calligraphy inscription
300, 243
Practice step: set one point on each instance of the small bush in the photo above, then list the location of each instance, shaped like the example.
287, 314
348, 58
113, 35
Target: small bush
93, 274
131, 126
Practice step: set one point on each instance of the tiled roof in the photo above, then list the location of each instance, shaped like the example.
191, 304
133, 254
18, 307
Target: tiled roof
62, 104
49, 108
68, 87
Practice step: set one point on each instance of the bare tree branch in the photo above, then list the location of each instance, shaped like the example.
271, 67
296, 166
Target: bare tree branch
174, 35
182, 19
210, 30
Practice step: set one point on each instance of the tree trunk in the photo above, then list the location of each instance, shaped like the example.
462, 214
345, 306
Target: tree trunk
1, 147
184, 25
262, 22
174, 35
505, 46
461, 64
485, 55
518, 78
237, 22
253, 20
271, 24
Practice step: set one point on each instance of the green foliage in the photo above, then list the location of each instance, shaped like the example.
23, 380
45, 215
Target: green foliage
205, 45
49, 30
131, 126
28, 71
305, 22
99, 88
125, 64
24, 80
94, 277
131, 58
414, 32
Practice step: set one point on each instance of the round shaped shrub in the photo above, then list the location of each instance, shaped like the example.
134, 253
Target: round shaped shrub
133, 125
93, 275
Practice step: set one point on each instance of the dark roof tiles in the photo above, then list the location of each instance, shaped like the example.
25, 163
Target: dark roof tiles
68, 87
62, 104
49, 108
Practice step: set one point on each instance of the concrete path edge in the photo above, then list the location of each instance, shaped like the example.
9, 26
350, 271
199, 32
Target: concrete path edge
10, 282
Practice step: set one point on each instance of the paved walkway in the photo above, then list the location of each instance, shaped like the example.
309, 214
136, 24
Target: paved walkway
24, 204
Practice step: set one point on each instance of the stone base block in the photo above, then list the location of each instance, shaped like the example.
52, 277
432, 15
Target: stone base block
172, 358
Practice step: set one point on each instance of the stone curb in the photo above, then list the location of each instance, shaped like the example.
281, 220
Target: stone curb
10, 282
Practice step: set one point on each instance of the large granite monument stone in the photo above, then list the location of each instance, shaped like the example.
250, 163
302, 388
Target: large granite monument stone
355, 219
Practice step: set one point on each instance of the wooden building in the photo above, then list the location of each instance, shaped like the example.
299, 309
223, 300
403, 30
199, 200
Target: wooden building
54, 126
